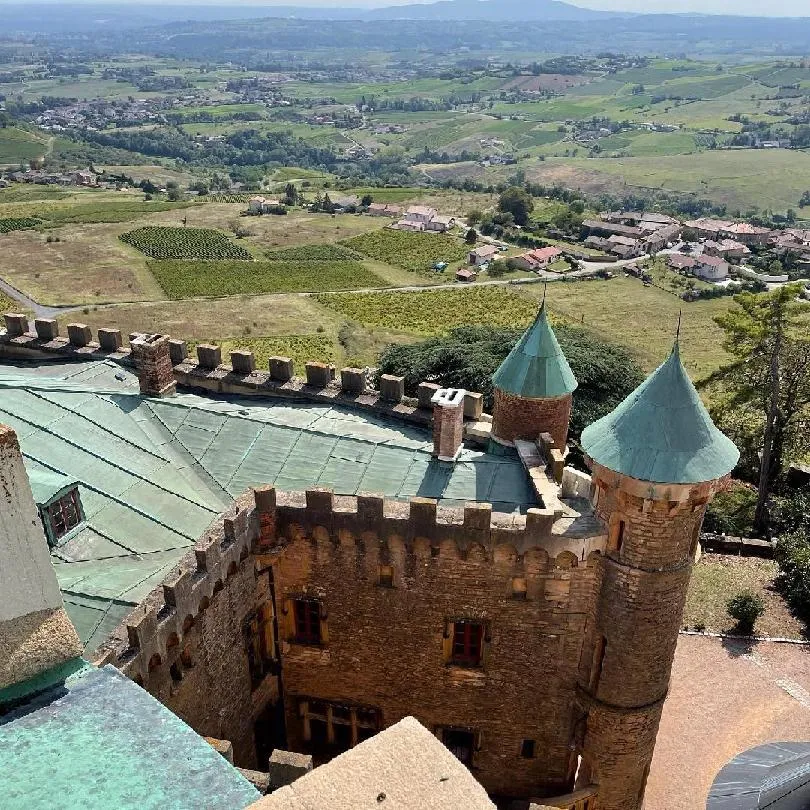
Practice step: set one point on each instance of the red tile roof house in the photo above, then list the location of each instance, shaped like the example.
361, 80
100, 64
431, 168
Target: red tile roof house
726, 248
466, 275
677, 261
711, 268
537, 259
747, 234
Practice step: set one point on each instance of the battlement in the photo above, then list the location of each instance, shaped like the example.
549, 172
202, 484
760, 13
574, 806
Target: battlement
207, 373
261, 523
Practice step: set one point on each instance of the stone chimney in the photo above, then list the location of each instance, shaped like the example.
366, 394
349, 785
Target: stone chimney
448, 423
153, 362
35, 632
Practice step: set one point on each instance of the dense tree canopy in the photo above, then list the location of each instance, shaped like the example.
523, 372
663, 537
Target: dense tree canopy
469, 355
517, 202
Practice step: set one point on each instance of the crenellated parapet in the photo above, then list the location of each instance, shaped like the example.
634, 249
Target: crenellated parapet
263, 522
206, 372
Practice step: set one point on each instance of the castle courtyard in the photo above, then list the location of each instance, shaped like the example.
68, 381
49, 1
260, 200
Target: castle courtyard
725, 697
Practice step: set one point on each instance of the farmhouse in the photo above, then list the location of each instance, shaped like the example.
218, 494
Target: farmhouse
678, 261
261, 205
747, 234
537, 259
420, 213
384, 210
224, 553
466, 275
725, 248
711, 268
440, 224
482, 255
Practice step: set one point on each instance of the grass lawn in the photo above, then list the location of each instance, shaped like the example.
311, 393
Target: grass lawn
717, 577
644, 319
19, 145
189, 279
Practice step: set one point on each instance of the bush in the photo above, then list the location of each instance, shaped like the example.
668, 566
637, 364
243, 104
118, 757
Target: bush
746, 607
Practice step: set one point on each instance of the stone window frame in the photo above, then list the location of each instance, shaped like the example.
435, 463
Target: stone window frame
362, 721
451, 657
291, 626
260, 644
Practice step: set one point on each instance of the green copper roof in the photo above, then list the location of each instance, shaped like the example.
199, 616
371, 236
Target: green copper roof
662, 432
154, 473
536, 367
92, 739
45, 484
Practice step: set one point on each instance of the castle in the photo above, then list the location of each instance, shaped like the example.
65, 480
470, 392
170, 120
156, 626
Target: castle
525, 613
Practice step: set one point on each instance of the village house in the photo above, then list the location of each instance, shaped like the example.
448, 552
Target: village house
711, 268
726, 249
482, 255
466, 275
625, 247
598, 227
705, 228
420, 213
661, 238
262, 205
747, 233
538, 258
440, 223
384, 210
679, 262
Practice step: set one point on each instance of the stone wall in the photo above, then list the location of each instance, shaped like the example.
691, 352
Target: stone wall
387, 647
516, 417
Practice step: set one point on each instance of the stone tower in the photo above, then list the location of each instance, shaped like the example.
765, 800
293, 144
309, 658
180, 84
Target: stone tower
35, 632
657, 461
533, 388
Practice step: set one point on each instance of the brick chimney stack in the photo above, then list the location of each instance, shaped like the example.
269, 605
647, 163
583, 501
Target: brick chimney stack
154, 365
448, 423
35, 632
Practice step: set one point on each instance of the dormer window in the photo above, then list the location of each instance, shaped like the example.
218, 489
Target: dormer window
64, 514
60, 505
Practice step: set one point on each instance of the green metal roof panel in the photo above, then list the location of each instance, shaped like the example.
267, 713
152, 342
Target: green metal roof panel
96, 740
536, 367
46, 484
154, 473
662, 432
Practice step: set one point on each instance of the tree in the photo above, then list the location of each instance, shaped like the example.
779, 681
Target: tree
291, 193
366, 200
764, 392
469, 355
173, 192
518, 202
472, 236
475, 216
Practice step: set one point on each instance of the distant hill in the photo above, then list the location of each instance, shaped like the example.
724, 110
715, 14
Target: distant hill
494, 10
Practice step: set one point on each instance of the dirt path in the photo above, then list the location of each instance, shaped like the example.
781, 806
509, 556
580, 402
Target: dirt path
725, 697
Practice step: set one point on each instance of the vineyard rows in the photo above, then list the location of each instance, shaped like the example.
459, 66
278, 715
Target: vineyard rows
18, 224
417, 252
300, 348
436, 311
313, 253
202, 244
190, 279
225, 198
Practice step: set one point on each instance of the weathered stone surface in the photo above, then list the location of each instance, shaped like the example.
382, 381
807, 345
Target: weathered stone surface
520, 418
79, 334
110, 340
178, 351
353, 380
209, 356
16, 324
392, 388
243, 362
281, 368
46, 328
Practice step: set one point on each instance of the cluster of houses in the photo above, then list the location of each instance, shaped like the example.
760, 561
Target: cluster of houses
45, 178
417, 218
631, 234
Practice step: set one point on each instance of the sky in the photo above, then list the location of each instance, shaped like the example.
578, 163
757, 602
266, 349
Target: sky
754, 8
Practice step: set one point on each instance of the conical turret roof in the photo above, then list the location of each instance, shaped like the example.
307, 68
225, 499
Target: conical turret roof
536, 367
662, 432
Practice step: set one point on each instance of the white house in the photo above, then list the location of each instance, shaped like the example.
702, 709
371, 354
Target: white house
711, 268
482, 255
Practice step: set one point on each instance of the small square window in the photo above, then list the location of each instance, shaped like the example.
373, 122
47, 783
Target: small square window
527, 749
307, 613
468, 640
386, 576
63, 514
460, 742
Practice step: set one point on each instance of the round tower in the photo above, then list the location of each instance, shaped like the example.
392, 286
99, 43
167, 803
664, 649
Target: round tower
657, 461
533, 388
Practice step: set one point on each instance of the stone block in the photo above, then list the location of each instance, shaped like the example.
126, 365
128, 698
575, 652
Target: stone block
16, 324
209, 356
178, 351
47, 328
353, 380
243, 362
110, 340
473, 406
79, 334
222, 747
392, 388
319, 375
425, 394
285, 767
281, 369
